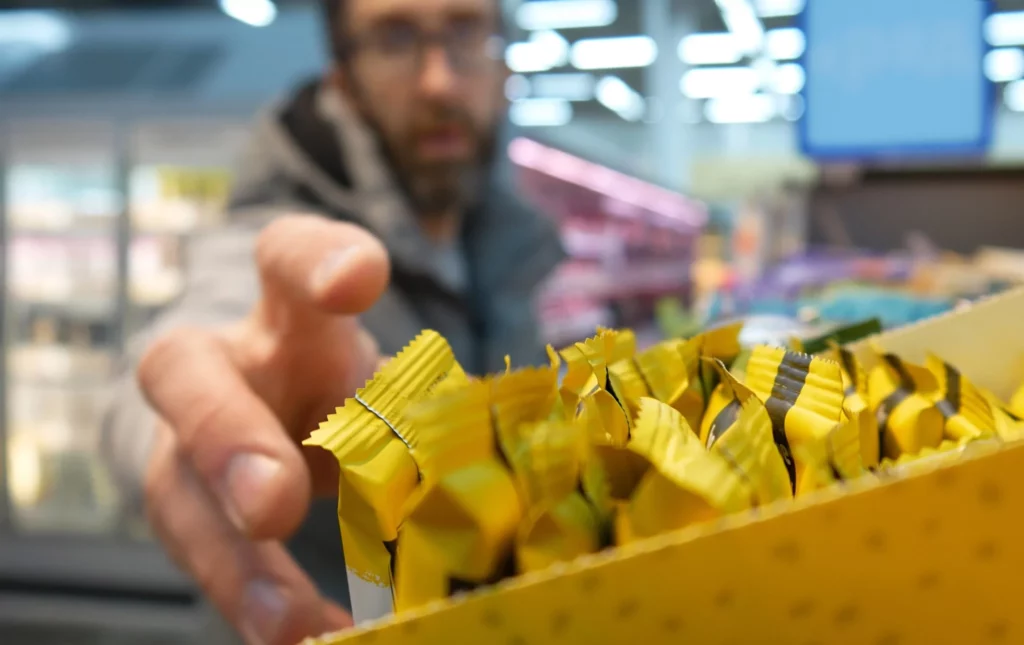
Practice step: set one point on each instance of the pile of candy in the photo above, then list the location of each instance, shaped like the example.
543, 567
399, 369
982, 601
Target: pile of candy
449, 483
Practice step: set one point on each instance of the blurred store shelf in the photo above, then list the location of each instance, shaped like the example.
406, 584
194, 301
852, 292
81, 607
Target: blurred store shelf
92, 310
35, 230
51, 363
603, 284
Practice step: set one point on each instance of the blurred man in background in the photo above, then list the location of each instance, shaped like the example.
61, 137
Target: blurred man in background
382, 169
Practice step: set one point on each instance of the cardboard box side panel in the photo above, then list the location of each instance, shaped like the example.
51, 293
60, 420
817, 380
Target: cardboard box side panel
986, 342
887, 564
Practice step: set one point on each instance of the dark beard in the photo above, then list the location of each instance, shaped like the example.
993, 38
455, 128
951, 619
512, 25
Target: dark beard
439, 189
436, 189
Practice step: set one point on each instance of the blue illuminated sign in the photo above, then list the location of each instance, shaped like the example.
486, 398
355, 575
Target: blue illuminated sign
892, 78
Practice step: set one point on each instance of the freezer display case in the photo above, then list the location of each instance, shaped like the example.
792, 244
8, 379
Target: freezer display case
61, 329
630, 242
178, 184
95, 216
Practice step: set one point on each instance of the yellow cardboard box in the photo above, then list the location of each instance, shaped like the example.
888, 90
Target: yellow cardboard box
935, 557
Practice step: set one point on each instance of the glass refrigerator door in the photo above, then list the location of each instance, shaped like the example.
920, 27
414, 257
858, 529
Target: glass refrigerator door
178, 186
75, 566
62, 206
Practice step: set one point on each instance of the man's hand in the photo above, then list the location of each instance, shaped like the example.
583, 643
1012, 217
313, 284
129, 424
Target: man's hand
227, 479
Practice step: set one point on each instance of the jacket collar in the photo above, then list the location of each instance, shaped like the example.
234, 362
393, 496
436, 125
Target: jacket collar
328, 159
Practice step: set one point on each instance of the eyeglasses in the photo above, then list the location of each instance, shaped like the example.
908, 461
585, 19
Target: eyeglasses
397, 50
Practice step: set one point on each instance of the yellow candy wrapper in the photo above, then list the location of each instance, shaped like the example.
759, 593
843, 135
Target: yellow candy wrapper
739, 365
804, 398
967, 412
454, 380
843, 449
377, 473
1016, 407
561, 523
741, 434
691, 401
723, 408
632, 383
855, 386
520, 398
683, 484
588, 377
460, 527
902, 396
721, 344
813, 470
1009, 426
667, 372
608, 427
594, 356
602, 411
621, 468
705, 397
578, 379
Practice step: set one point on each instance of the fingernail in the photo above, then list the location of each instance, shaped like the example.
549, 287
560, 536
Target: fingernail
329, 268
264, 608
244, 493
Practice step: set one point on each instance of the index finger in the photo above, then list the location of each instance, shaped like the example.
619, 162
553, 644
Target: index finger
311, 262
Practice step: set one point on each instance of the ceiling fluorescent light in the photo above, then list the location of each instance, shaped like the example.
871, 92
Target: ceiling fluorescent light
256, 13
788, 79
566, 14
540, 112
613, 93
545, 50
42, 30
727, 49
755, 108
572, 86
713, 82
779, 8
719, 48
744, 24
785, 44
1003, 65
614, 53
524, 58
553, 43
1013, 96
1003, 29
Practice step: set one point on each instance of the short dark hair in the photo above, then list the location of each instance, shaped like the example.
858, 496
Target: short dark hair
337, 32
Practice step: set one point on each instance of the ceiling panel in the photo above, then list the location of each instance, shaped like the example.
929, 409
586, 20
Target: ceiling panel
106, 67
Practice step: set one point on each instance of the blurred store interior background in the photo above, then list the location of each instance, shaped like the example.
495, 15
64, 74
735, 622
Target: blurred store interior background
790, 159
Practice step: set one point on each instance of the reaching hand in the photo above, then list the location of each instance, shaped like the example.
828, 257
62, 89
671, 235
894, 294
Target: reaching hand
228, 480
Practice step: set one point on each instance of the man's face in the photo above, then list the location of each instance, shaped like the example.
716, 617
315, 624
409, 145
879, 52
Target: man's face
426, 74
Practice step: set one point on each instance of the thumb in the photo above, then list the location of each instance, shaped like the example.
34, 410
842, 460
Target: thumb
313, 269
